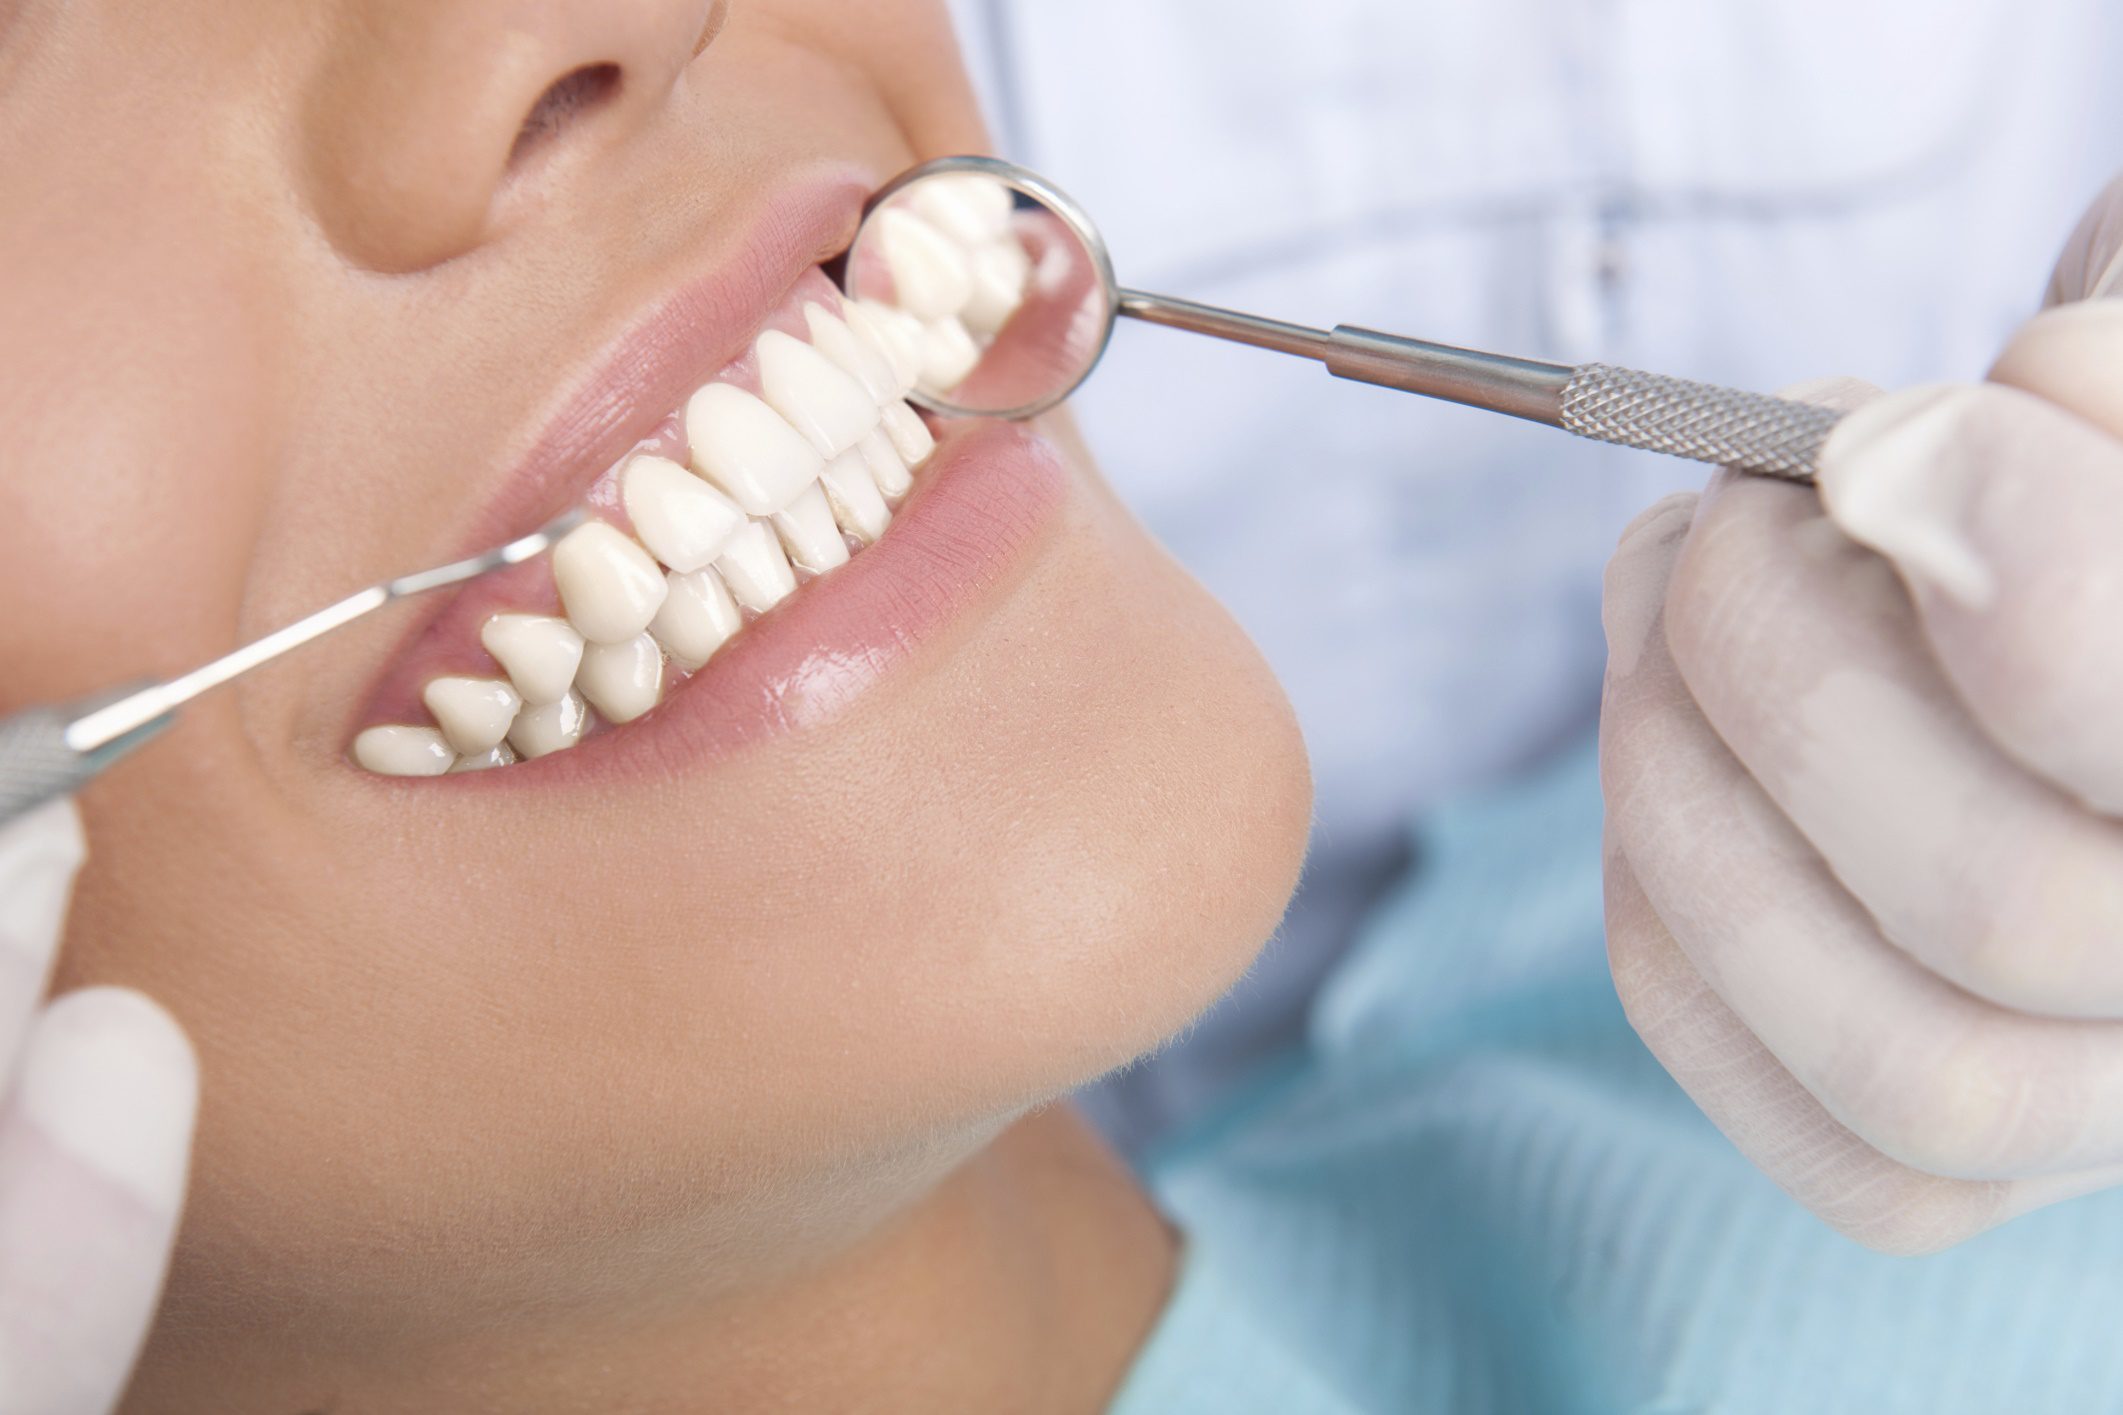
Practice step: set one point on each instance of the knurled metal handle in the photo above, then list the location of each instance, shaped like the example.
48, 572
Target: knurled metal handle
1769, 436
36, 764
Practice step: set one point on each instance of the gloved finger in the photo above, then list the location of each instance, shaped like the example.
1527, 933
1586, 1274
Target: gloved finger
2067, 356
39, 855
1806, 656
2091, 267
1701, 1042
1772, 1120
1767, 1114
1924, 1072
1999, 511
94, 1145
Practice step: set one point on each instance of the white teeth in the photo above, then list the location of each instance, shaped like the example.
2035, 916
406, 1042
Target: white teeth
756, 568
539, 653
609, 585
815, 395
885, 466
990, 199
803, 473
963, 208
809, 532
903, 337
474, 713
486, 761
1000, 272
930, 278
622, 681
404, 751
948, 355
698, 617
744, 447
857, 504
910, 436
857, 355
683, 521
552, 727
897, 334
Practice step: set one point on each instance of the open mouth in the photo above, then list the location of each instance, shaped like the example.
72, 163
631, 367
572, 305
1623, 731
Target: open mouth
778, 471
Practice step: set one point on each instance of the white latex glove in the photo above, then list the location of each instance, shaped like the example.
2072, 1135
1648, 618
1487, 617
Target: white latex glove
95, 1139
1864, 861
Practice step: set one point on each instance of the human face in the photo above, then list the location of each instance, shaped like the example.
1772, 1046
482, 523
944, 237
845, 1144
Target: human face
302, 294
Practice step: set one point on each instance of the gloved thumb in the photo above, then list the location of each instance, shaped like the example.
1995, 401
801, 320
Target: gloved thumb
1999, 510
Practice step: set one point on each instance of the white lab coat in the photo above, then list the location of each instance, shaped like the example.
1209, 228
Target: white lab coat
1749, 191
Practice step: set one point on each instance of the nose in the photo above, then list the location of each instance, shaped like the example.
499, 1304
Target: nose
427, 119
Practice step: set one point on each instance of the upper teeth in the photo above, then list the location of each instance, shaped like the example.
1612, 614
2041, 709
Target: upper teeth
820, 399
799, 473
683, 521
748, 449
540, 654
862, 359
896, 332
608, 584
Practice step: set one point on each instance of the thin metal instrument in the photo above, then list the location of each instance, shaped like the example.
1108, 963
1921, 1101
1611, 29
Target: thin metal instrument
55, 748
1773, 437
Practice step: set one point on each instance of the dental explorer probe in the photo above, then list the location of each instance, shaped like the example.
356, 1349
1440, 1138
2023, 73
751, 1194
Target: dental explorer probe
54, 749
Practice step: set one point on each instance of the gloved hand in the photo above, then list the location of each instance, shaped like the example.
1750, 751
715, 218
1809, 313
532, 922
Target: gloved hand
95, 1140
1864, 777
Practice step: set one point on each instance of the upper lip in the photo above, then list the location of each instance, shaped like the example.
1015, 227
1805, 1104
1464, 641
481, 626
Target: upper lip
655, 362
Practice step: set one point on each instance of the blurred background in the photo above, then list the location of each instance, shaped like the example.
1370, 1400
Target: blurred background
1753, 192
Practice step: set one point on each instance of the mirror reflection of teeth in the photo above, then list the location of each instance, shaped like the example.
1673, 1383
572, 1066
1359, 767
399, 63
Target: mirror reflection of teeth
951, 354
971, 208
959, 273
795, 478
932, 275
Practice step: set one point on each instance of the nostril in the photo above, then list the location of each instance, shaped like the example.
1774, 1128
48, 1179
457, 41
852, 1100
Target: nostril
571, 97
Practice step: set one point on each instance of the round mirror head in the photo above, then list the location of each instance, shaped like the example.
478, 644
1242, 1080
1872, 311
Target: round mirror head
992, 278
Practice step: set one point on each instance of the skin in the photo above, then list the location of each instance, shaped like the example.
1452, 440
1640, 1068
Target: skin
614, 1102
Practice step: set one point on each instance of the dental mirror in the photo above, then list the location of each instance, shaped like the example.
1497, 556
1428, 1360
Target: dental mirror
1004, 285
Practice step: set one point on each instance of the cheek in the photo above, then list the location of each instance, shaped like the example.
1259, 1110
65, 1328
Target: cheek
140, 430
906, 49
1095, 818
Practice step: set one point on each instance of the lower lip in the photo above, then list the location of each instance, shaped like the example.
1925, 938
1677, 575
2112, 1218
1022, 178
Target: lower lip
986, 498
